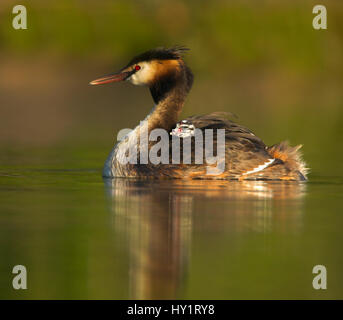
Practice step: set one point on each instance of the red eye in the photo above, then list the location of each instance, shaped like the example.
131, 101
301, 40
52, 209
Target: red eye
137, 68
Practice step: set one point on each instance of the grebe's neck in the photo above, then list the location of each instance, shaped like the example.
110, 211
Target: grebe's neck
166, 112
169, 95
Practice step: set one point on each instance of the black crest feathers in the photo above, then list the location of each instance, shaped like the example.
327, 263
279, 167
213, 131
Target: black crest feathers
161, 53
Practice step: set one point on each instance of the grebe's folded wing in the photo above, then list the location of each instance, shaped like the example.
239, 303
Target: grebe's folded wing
245, 153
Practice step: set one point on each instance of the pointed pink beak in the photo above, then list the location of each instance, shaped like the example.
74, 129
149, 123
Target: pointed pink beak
116, 77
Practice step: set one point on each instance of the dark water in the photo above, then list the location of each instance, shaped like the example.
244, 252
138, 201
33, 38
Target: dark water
82, 237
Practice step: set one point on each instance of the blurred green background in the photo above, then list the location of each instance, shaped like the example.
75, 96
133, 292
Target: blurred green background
261, 60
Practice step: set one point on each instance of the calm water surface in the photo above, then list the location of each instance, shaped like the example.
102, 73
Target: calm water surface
82, 237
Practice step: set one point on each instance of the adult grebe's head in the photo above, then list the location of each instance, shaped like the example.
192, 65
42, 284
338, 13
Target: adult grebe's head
160, 69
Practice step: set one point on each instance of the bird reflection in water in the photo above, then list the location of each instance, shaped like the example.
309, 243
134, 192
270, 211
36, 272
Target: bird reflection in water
158, 219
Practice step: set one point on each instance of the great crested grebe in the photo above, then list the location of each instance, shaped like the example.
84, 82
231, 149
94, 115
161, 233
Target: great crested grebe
169, 79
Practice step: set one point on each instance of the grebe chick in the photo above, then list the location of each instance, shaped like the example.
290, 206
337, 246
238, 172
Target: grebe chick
169, 79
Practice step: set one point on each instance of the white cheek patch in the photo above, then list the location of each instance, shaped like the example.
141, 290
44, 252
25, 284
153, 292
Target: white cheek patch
142, 76
259, 168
